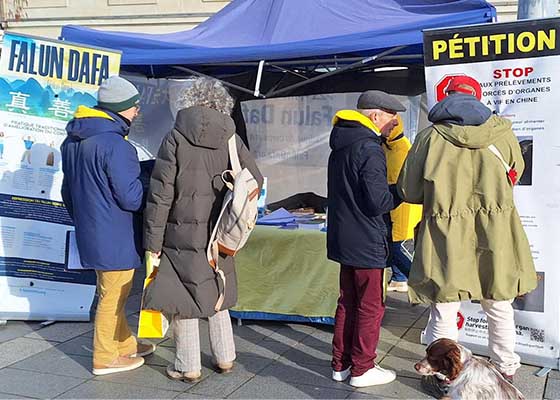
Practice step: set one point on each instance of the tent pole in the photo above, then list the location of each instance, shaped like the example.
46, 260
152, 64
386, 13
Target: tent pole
225, 83
364, 61
259, 77
286, 70
336, 61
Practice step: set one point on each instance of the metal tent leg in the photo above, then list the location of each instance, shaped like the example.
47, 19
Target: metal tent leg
543, 372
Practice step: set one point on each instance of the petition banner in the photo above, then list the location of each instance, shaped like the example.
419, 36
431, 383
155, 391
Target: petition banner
516, 65
42, 82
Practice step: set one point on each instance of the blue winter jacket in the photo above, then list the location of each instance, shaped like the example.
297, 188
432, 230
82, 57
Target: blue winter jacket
359, 197
102, 189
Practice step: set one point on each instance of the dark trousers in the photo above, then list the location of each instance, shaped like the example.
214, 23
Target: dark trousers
400, 264
358, 319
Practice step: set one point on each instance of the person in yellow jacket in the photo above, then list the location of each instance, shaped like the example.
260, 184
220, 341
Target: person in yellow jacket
403, 218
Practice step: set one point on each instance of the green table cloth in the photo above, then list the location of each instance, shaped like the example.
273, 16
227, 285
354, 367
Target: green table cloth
286, 271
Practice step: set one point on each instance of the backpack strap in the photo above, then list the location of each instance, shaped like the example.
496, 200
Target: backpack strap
213, 256
497, 153
213, 251
510, 171
233, 156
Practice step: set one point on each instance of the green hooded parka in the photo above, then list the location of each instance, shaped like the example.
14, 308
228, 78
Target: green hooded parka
470, 243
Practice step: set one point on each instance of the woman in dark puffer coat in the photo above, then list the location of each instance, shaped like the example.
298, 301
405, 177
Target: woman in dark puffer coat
184, 200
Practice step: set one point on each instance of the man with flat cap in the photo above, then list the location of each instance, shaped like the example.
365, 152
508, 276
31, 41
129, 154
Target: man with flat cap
359, 200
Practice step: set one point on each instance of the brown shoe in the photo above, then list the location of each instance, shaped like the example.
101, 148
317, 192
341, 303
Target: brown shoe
121, 364
142, 350
224, 367
175, 375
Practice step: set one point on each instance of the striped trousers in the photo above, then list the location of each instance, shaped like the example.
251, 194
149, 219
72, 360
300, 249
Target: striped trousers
187, 341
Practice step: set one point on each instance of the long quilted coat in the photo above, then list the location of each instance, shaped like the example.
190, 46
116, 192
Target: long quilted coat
184, 200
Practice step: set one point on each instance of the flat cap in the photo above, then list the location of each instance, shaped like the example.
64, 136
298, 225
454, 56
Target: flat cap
376, 99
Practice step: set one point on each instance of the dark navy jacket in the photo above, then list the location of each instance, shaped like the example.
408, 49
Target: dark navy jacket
102, 189
359, 197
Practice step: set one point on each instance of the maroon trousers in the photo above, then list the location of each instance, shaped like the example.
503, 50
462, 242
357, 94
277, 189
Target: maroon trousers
358, 319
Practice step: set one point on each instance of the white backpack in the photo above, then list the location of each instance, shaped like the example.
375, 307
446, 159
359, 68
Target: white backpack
237, 217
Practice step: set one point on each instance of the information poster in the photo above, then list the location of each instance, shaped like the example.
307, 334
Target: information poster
289, 138
42, 82
516, 65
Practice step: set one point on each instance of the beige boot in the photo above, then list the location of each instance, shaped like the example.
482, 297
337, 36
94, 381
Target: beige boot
224, 367
172, 373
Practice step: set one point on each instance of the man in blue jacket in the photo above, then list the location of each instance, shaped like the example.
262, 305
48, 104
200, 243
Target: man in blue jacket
102, 190
359, 200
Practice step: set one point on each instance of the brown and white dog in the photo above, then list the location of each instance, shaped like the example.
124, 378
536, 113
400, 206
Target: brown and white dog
469, 377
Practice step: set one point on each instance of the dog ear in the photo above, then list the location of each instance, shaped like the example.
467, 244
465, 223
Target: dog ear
454, 365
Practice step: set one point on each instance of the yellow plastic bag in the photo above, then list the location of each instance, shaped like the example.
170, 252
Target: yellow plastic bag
152, 324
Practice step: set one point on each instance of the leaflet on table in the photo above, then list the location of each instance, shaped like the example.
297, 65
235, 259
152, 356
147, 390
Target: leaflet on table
277, 217
42, 82
516, 65
315, 224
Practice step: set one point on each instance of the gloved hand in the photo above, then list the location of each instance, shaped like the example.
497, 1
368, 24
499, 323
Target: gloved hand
152, 261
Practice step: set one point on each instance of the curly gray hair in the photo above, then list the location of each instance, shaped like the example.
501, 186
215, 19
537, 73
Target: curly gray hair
206, 92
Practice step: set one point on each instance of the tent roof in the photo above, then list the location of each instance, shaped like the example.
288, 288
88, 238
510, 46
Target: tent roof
252, 30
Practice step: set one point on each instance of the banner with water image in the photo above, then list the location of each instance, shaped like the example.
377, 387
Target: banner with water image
42, 82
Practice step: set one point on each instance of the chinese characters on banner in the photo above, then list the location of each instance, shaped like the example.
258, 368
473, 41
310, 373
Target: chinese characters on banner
42, 82
516, 65
155, 119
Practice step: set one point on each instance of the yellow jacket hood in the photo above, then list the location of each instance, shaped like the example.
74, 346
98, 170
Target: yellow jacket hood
353, 115
87, 112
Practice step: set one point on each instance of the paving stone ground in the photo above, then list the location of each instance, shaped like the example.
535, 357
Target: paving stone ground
274, 360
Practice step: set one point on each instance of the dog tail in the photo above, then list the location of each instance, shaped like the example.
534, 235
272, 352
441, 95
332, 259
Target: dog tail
507, 388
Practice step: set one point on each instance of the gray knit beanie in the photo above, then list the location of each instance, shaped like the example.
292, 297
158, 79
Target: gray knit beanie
117, 94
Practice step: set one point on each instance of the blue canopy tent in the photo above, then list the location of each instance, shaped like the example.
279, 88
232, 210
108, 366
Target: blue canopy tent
293, 43
270, 48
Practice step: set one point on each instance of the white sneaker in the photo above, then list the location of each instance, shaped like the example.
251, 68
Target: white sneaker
394, 286
341, 376
374, 376
120, 364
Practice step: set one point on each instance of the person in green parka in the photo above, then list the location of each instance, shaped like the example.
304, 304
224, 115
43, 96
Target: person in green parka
470, 243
